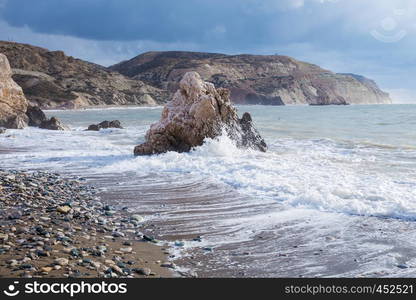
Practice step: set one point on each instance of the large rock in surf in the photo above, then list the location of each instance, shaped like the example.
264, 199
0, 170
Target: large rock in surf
197, 111
13, 103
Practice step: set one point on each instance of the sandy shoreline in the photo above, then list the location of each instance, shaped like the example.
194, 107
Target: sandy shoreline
44, 233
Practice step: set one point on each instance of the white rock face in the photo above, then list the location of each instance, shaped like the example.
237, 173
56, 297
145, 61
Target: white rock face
13, 104
197, 111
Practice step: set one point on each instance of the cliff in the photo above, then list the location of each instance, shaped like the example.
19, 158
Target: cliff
255, 79
50, 79
13, 103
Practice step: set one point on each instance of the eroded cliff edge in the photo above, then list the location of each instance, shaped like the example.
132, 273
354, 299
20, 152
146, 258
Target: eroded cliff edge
255, 79
51, 79
13, 104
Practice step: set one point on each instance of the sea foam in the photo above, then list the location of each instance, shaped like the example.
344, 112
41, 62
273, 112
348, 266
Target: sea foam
322, 174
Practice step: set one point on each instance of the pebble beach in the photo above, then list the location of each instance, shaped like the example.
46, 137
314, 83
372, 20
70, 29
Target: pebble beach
51, 226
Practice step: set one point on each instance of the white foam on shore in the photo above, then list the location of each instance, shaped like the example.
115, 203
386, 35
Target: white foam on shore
312, 174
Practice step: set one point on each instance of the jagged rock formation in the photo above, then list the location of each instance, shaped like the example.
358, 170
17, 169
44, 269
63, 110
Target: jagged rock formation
50, 79
53, 124
105, 125
197, 111
15, 112
36, 116
255, 79
13, 103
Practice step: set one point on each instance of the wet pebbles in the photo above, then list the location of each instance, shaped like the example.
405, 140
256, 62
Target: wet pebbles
52, 226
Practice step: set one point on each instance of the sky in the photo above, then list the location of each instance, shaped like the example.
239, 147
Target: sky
374, 38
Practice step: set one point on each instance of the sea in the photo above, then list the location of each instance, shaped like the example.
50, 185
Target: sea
334, 195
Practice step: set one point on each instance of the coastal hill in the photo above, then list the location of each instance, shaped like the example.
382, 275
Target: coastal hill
255, 79
50, 79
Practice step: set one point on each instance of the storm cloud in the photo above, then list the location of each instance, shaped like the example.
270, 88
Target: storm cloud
374, 38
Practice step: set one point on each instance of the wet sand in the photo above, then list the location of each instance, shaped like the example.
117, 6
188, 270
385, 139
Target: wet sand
179, 208
304, 243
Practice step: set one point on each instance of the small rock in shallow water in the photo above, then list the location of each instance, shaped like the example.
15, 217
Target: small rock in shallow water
179, 244
189, 274
148, 238
53, 124
168, 265
197, 239
403, 266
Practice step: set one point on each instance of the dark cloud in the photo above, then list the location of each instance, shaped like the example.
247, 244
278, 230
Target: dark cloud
235, 24
334, 34
157, 20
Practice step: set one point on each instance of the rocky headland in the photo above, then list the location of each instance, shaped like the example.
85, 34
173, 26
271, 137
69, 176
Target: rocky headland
51, 79
255, 79
198, 111
15, 111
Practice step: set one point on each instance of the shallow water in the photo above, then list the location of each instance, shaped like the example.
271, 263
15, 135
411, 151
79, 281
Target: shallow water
335, 195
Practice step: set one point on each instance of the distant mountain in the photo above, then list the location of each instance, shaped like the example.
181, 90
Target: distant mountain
50, 79
255, 79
